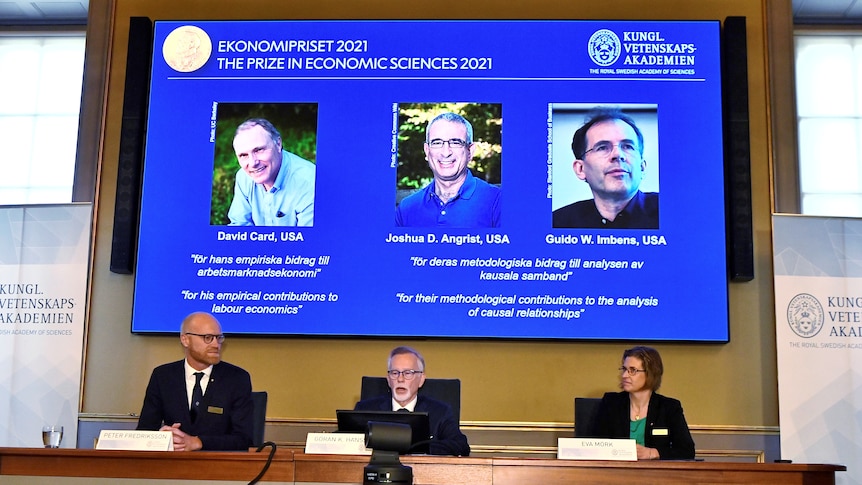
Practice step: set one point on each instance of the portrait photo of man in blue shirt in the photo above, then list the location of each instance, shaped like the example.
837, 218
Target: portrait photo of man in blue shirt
274, 187
609, 156
455, 197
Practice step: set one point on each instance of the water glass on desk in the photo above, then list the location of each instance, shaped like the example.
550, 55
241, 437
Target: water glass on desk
52, 436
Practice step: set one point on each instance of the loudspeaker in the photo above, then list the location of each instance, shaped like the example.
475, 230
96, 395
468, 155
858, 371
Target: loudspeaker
737, 150
132, 135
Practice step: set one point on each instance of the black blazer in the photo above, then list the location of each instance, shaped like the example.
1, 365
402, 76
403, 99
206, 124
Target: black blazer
446, 435
666, 429
225, 419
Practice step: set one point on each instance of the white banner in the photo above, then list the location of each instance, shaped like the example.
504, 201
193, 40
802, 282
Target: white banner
44, 253
818, 308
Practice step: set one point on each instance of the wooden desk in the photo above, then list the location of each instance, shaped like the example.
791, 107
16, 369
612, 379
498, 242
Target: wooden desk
442, 470
209, 466
550, 472
291, 466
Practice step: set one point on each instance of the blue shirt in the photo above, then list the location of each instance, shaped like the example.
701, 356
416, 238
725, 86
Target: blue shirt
289, 202
477, 204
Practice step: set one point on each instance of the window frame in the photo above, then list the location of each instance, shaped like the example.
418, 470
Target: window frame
28, 190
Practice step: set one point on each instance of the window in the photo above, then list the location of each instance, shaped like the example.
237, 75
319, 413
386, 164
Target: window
829, 106
40, 95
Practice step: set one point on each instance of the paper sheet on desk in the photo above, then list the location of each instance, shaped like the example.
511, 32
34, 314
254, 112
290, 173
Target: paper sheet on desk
133, 440
596, 449
336, 444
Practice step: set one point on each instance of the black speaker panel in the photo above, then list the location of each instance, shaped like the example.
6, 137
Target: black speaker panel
737, 151
132, 136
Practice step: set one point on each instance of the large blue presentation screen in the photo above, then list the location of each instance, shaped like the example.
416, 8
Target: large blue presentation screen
346, 207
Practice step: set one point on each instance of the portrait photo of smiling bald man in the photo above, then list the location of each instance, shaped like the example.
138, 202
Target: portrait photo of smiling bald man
609, 158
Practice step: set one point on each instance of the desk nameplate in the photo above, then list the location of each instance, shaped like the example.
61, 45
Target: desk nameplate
596, 449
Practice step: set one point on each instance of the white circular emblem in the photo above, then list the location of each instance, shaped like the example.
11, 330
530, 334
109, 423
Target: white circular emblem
187, 48
805, 315
604, 47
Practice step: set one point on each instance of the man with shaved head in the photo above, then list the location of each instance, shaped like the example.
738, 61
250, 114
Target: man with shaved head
204, 402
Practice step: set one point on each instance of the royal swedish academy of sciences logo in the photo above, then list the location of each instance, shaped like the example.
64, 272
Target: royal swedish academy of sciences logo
604, 47
805, 315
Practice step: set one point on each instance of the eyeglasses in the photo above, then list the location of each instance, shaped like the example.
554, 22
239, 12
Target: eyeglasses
604, 148
437, 143
408, 374
630, 371
208, 337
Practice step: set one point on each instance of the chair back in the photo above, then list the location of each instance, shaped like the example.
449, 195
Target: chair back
258, 398
586, 412
446, 390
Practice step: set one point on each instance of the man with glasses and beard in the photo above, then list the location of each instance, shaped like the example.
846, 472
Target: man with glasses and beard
455, 198
608, 151
204, 402
405, 375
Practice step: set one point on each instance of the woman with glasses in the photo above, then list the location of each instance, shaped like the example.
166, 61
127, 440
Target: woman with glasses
655, 422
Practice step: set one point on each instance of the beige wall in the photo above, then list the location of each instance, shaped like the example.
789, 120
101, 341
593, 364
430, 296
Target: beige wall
732, 384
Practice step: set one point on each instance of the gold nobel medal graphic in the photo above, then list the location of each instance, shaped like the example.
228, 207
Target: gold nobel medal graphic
187, 48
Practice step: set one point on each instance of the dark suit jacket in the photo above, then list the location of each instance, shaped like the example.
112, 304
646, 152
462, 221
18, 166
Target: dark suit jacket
225, 419
666, 429
446, 435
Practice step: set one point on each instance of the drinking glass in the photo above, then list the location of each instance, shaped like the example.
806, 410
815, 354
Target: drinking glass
52, 436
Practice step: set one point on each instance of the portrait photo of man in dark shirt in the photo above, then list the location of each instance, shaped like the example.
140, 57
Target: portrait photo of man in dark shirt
608, 154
